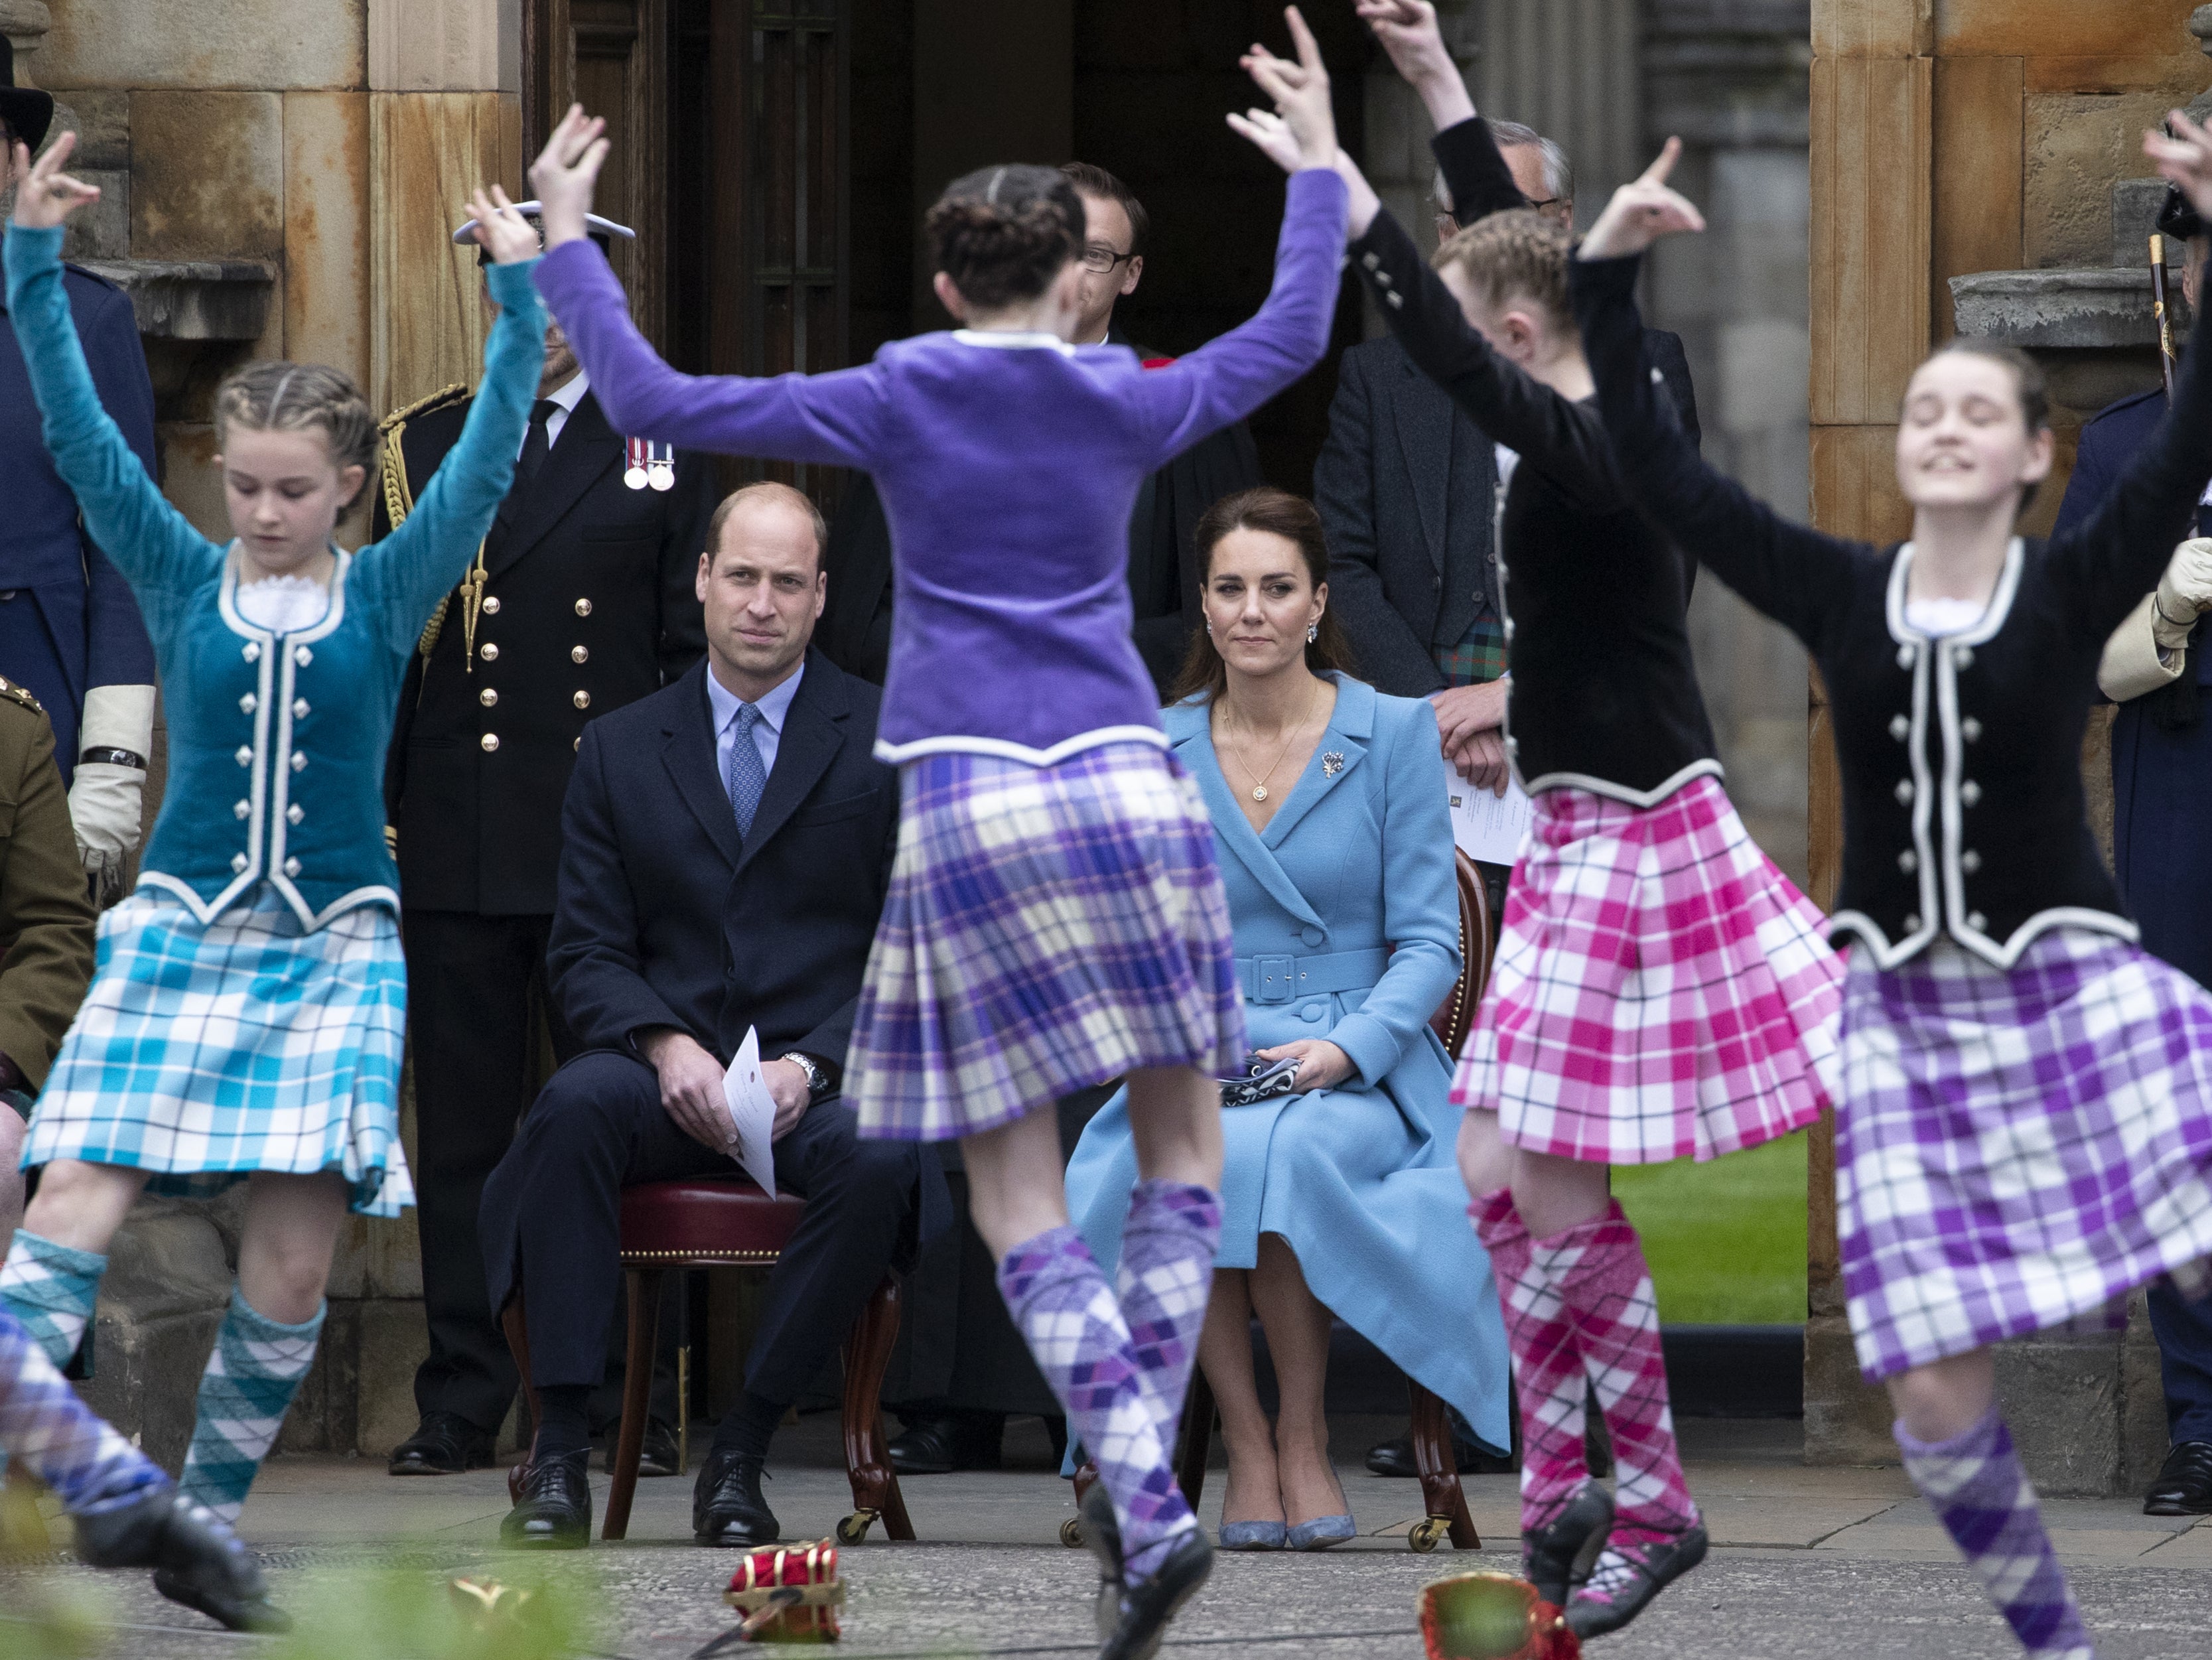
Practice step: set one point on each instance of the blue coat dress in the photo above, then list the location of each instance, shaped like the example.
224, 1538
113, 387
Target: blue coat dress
1348, 896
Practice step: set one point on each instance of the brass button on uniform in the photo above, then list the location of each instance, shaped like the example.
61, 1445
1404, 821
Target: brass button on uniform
575, 743
580, 653
490, 651
489, 740
487, 697
491, 605
583, 608
583, 699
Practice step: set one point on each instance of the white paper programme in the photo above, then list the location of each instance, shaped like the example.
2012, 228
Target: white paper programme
1489, 827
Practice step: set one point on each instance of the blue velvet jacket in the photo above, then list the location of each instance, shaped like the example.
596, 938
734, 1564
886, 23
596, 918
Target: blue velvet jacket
276, 742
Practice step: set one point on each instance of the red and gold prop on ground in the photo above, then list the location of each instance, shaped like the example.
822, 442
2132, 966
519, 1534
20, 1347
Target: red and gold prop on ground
1492, 1616
788, 1594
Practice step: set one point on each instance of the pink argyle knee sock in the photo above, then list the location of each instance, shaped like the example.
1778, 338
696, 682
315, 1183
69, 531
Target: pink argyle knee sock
1165, 1278
1598, 1270
1547, 1371
1065, 1311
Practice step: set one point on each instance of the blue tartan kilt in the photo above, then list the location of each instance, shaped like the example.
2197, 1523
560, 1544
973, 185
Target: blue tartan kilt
208, 1050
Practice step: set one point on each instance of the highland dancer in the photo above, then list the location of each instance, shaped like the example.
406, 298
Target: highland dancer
245, 1018
1056, 917
2026, 1128
1660, 991
128, 1514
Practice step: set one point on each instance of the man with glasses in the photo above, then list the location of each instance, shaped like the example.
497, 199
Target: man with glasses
1163, 576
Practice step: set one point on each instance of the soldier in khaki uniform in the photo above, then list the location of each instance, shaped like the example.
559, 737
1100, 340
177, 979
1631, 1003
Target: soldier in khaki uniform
46, 925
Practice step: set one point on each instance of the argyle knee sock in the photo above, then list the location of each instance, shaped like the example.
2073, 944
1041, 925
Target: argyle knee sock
1987, 1505
1598, 1270
251, 1377
70, 1448
1547, 1369
1065, 1312
50, 1289
1166, 1275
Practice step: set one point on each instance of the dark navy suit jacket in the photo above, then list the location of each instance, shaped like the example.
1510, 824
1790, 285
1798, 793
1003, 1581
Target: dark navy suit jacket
79, 627
2161, 779
665, 918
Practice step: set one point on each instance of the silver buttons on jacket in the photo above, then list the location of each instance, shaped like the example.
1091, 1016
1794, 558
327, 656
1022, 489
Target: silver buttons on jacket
1970, 730
1971, 793
248, 703
1904, 792
583, 608
489, 740
1908, 861
1912, 925
491, 605
487, 697
252, 652
291, 867
489, 651
302, 656
1904, 656
299, 760
1970, 861
1978, 922
580, 653
242, 809
1899, 727
295, 813
582, 700
246, 755
238, 863
1963, 657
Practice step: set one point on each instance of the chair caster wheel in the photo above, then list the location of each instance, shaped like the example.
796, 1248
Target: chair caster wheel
1070, 1533
1428, 1533
855, 1527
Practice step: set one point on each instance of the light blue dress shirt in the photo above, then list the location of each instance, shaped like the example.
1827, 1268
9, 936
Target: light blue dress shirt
767, 731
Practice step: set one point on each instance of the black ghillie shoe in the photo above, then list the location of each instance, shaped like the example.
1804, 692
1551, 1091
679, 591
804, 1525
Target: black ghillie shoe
1132, 1619
1550, 1556
1621, 1587
195, 1558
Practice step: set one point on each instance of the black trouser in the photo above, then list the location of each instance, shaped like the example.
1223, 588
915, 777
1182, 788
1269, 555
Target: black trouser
552, 1216
477, 1013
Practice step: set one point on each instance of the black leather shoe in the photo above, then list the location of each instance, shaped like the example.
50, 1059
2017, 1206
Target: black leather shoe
197, 1559
937, 1446
1552, 1556
2184, 1486
1396, 1458
444, 1443
1624, 1587
554, 1509
1132, 1619
656, 1457
727, 1507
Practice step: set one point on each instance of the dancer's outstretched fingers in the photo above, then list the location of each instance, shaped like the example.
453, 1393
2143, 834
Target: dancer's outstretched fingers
565, 173
47, 195
1266, 131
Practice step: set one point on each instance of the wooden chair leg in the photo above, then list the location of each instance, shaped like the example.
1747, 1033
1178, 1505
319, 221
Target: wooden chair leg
643, 1286
516, 1324
1195, 1438
1442, 1497
867, 1463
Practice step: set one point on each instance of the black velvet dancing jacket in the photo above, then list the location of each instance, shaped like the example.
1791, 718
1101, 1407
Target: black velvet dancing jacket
1963, 811
1605, 693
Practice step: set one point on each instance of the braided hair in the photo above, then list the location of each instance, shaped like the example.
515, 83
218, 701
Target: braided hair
272, 396
1003, 233
1516, 255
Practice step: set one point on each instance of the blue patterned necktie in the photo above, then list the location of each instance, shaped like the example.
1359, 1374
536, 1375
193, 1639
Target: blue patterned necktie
748, 778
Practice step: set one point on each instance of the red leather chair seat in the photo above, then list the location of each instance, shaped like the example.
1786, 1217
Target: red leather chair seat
718, 1218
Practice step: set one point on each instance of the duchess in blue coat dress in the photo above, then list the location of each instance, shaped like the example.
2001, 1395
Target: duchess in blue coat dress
1342, 1200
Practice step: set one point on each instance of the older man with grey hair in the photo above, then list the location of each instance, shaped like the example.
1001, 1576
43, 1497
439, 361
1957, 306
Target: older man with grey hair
1539, 167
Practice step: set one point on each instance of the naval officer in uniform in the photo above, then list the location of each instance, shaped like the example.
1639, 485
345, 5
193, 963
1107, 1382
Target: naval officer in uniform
581, 600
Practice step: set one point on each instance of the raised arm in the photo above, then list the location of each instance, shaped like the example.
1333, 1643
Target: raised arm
1475, 172
405, 574
149, 541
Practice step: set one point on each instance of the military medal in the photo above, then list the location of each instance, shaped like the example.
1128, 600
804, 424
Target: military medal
649, 463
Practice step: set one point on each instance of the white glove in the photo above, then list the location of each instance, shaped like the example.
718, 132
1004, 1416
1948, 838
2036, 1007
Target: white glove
2185, 593
2133, 664
106, 800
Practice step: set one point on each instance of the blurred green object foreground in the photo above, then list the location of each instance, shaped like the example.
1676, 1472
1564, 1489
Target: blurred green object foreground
1726, 1240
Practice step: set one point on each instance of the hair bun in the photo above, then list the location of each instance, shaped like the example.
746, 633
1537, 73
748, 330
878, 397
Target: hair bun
1003, 233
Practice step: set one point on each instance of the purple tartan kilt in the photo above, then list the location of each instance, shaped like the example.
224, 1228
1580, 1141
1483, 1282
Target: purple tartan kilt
2018, 1149
1048, 928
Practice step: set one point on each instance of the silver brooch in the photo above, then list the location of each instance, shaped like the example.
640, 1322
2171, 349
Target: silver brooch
1332, 763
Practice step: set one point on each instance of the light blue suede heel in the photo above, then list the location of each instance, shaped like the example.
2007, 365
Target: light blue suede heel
1253, 1535
1322, 1532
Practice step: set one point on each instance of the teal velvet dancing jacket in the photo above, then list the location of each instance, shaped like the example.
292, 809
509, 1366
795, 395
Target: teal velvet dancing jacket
275, 741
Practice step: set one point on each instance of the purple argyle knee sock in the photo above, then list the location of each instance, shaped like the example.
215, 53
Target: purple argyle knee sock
1164, 1280
73, 1449
1983, 1499
1065, 1311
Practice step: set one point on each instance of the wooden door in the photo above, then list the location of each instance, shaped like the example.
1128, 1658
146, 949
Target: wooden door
613, 57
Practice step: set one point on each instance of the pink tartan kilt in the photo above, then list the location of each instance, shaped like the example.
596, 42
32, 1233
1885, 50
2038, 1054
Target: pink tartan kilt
1660, 990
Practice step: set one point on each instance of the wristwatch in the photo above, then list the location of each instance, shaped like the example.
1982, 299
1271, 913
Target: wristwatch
818, 1081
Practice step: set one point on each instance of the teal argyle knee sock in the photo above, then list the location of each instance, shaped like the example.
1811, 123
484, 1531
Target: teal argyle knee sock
50, 1289
251, 1377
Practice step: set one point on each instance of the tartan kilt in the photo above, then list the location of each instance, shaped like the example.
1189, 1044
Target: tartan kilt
207, 1050
1660, 990
2018, 1149
1047, 929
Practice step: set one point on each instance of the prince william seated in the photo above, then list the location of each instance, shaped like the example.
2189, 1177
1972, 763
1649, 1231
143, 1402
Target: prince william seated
726, 846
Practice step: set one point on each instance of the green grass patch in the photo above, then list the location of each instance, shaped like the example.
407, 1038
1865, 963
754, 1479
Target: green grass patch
1726, 1240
